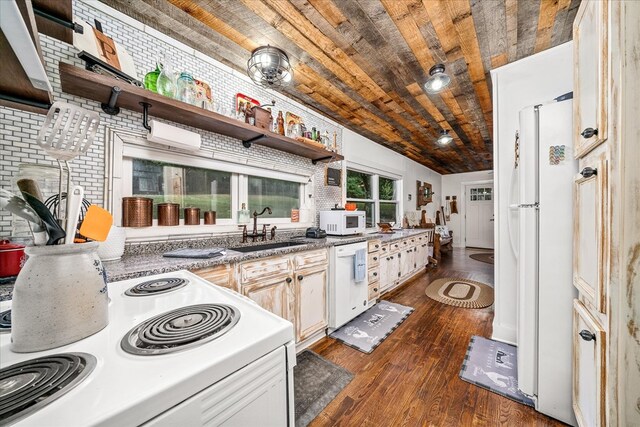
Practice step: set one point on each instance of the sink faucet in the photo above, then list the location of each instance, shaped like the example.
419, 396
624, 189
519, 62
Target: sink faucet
254, 234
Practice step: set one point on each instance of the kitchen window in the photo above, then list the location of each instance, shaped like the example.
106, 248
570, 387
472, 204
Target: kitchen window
375, 194
188, 186
207, 179
280, 195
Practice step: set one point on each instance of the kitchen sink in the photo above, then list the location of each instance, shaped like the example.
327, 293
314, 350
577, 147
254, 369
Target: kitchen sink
257, 248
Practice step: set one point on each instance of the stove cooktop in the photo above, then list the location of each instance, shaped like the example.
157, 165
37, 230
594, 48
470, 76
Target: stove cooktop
180, 329
28, 386
5, 321
156, 286
155, 384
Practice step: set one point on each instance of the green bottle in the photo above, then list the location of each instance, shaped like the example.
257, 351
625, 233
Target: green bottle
151, 78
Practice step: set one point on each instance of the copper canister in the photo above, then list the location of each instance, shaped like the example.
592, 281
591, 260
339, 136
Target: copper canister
137, 212
191, 216
210, 217
168, 214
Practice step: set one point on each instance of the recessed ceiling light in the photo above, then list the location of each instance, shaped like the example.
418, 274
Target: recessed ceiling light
444, 138
438, 80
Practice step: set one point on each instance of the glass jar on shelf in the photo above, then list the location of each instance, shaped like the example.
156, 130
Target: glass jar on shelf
165, 84
186, 89
151, 78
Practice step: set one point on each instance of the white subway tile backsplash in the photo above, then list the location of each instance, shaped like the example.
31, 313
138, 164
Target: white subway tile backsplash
19, 129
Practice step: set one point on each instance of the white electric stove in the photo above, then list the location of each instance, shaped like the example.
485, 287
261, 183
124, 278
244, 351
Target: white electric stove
240, 372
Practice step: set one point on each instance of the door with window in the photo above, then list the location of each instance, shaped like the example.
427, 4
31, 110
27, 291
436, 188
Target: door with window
479, 215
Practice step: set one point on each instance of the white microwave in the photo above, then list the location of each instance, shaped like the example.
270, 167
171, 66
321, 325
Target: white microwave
343, 223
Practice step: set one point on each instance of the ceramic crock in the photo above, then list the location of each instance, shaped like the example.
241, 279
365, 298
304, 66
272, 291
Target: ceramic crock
60, 296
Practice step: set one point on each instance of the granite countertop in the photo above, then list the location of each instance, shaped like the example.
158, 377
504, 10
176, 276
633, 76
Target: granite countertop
144, 264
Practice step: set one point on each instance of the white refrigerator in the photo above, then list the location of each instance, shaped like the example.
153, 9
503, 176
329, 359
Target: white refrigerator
544, 240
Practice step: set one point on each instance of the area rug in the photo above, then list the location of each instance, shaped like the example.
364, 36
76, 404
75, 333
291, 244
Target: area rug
460, 292
370, 328
493, 365
487, 257
316, 383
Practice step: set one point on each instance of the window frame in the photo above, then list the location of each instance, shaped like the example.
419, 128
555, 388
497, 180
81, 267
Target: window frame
375, 191
122, 146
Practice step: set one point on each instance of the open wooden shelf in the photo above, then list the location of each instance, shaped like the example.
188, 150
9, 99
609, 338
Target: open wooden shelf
84, 83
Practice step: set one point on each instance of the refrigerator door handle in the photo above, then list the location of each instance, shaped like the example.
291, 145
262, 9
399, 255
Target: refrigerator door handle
530, 205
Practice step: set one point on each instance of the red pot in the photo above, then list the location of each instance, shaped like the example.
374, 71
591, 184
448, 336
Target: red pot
11, 258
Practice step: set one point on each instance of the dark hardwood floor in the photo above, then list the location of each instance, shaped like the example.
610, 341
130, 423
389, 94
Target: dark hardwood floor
411, 379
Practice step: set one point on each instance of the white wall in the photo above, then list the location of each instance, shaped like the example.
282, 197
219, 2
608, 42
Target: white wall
361, 151
533, 80
452, 186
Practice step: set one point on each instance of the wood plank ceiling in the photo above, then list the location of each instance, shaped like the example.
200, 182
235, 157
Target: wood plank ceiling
364, 62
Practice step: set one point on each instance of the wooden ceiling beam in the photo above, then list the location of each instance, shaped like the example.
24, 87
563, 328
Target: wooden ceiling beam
404, 22
457, 13
549, 10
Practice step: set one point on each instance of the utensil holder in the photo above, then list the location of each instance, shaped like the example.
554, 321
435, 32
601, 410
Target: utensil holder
168, 214
60, 297
191, 216
210, 217
137, 212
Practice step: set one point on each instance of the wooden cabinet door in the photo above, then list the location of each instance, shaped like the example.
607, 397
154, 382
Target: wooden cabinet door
310, 302
590, 232
406, 262
590, 32
588, 368
221, 275
385, 265
274, 296
422, 255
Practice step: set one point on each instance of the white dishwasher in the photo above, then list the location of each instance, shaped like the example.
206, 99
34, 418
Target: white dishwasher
347, 298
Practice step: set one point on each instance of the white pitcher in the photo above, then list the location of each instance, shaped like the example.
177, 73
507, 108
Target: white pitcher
60, 297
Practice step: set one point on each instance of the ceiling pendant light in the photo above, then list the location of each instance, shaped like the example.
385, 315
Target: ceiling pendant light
269, 67
438, 80
444, 138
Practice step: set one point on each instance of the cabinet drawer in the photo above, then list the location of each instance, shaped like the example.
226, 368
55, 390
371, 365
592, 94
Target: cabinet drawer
373, 259
395, 246
591, 232
589, 352
221, 275
384, 250
373, 245
310, 258
374, 274
252, 271
374, 291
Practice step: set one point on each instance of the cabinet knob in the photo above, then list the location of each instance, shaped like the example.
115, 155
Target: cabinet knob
375, 289
300, 277
387, 258
377, 246
375, 258
588, 172
589, 132
375, 274
587, 335
289, 280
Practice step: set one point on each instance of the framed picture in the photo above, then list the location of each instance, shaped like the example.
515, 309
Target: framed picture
244, 102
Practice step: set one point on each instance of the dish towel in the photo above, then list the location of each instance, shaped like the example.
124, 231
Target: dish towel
360, 265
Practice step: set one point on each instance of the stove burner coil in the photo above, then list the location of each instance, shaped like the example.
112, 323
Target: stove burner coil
5, 321
180, 329
157, 286
31, 385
